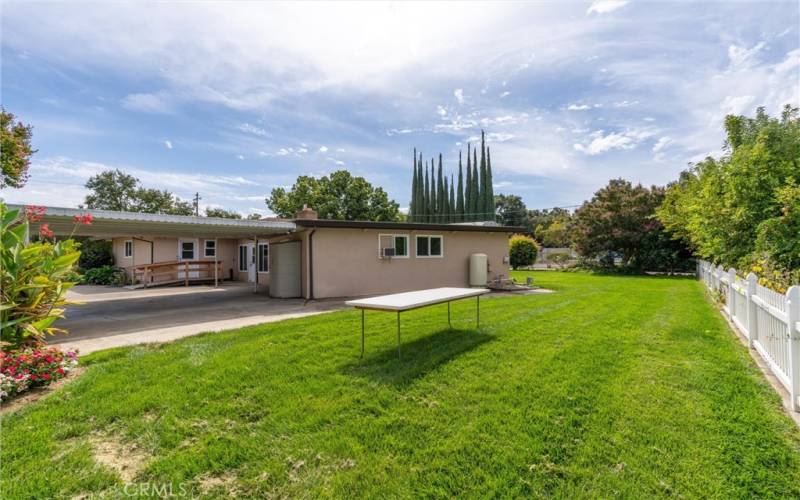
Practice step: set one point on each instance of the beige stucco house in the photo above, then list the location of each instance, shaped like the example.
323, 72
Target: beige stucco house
303, 257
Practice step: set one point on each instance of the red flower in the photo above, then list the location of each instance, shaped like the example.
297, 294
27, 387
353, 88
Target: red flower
46, 376
34, 213
45, 232
33, 377
85, 219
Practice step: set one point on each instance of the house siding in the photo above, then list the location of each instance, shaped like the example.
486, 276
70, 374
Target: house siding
346, 261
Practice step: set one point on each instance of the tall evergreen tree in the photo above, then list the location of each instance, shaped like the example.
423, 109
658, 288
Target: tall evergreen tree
467, 213
420, 192
460, 193
483, 205
412, 206
432, 201
475, 192
489, 187
445, 217
451, 203
427, 199
440, 191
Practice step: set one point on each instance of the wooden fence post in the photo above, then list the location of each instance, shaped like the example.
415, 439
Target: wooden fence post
793, 314
752, 310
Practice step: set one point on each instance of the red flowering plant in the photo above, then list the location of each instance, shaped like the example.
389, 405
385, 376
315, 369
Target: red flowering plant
24, 369
34, 277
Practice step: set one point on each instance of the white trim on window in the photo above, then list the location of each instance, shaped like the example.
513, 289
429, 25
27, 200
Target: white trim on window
127, 249
429, 237
260, 260
213, 248
394, 242
241, 260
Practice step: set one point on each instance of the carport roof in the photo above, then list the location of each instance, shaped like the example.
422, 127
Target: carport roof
108, 223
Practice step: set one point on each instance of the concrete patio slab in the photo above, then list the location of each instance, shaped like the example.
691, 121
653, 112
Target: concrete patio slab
113, 317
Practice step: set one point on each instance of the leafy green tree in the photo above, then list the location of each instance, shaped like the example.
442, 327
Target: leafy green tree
112, 190
522, 250
15, 150
510, 210
338, 196
222, 213
116, 190
619, 218
155, 201
254, 217
540, 220
556, 235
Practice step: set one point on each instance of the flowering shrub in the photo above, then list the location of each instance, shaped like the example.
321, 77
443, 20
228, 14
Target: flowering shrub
34, 276
33, 367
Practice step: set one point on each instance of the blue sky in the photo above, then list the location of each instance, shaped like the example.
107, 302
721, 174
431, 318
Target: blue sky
233, 99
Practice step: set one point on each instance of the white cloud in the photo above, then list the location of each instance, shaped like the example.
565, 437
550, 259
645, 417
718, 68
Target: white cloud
341, 150
252, 129
168, 144
282, 152
601, 143
505, 94
737, 105
606, 6
625, 104
459, 95
578, 107
742, 56
147, 103
241, 157
323, 149
662, 143
441, 111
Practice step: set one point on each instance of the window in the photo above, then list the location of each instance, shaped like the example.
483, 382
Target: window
396, 244
429, 246
210, 248
129, 249
263, 257
187, 250
243, 258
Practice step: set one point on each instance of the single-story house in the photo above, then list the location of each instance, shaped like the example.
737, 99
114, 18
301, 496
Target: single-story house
302, 257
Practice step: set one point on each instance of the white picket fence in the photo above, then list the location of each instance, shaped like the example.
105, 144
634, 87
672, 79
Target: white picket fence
769, 320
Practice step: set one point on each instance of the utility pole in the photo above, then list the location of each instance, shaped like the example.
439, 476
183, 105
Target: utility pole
197, 204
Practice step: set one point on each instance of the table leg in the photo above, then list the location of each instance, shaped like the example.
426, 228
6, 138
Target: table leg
398, 334
448, 316
478, 309
362, 333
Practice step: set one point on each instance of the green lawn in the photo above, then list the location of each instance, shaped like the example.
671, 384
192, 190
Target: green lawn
613, 386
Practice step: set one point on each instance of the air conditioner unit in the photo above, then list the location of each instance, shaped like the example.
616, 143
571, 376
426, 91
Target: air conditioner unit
387, 253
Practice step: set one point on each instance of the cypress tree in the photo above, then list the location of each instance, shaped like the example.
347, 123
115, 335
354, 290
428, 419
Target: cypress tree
467, 213
445, 217
426, 199
460, 193
420, 192
489, 187
441, 193
483, 203
475, 192
412, 206
451, 203
432, 196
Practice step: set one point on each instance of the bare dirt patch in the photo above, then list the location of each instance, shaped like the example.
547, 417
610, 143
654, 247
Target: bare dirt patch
127, 459
38, 393
225, 481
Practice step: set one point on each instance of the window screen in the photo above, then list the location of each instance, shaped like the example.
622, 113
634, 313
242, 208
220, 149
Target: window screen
187, 250
243, 258
128, 249
210, 248
263, 258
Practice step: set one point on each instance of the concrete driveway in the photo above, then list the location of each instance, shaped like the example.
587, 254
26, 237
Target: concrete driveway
113, 317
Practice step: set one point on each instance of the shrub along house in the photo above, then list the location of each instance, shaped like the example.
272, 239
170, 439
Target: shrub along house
305, 257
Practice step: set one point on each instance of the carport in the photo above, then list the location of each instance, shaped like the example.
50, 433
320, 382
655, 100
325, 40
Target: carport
159, 249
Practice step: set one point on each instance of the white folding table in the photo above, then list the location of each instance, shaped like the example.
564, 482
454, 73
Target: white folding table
407, 301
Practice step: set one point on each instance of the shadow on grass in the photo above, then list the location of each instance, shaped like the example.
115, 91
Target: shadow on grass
381, 364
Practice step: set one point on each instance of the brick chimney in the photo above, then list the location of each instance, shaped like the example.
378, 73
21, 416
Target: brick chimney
306, 213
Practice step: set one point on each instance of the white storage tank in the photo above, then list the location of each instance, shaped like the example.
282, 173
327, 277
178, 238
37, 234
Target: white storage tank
478, 269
